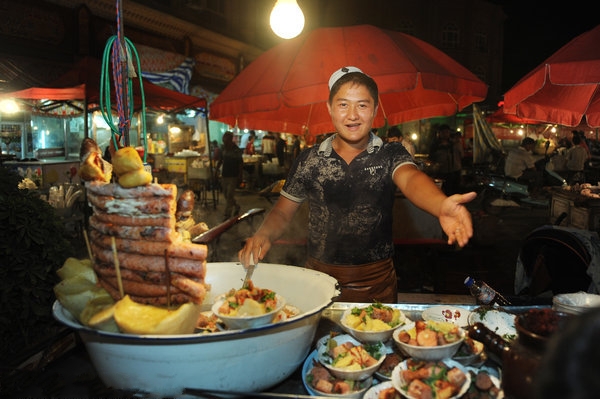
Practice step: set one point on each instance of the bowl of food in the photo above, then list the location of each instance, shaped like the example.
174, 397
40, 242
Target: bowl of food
429, 340
248, 307
318, 381
384, 372
470, 352
417, 379
349, 359
536, 326
373, 323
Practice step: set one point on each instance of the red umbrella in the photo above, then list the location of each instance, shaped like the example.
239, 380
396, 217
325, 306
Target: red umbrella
285, 89
564, 88
500, 116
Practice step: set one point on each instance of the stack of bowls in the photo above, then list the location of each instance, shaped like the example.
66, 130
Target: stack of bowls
575, 303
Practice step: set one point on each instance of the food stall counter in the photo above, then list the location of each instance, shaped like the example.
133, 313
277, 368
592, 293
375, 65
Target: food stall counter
75, 363
51, 171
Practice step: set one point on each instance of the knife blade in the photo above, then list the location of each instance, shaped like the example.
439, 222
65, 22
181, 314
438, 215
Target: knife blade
250, 270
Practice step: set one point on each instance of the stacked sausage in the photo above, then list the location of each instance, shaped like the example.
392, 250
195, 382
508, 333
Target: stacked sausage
156, 266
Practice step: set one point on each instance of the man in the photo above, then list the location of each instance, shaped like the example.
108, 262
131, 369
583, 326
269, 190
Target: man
395, 135
280, 149
268, 146
232, 164
349, 181
577, 156
520, 165
447, 152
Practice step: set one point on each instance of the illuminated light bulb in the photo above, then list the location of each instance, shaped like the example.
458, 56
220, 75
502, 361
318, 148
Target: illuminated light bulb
9, 106
287, 19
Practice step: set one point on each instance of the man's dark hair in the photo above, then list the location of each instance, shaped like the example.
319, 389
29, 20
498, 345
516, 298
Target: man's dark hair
394, 131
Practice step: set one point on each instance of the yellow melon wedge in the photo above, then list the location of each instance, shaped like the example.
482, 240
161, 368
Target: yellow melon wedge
136, 318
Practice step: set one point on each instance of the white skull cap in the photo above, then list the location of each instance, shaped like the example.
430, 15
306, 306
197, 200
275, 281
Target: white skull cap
341, 72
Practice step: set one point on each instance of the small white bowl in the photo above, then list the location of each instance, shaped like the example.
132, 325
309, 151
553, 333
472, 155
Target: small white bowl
244, 322
306, 370
344, 373
401, 385
431, 353
576, 302
370, 335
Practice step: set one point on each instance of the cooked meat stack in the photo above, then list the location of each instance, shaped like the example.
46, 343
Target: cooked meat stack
156, 266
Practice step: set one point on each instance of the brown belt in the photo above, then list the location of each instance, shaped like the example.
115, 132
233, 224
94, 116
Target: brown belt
366, 283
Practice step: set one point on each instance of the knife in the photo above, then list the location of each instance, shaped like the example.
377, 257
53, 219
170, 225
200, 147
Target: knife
250, 270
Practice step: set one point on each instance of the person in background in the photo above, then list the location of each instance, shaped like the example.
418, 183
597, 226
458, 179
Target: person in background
216, 151
394, 134
520, 165
447, 152
296, 148
250, 149
268, 146
577, 156
231, 164
582, 142
349, 182
280, 149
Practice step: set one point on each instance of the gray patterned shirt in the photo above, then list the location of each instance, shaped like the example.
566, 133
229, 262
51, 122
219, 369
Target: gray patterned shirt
350, 206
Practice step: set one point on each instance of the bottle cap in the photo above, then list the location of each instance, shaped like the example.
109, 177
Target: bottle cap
469, 281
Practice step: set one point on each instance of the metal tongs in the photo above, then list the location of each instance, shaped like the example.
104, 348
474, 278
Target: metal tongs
250, 269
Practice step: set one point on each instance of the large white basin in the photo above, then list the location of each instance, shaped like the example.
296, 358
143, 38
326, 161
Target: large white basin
250, 360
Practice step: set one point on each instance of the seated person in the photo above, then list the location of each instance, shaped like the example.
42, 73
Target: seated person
520, 165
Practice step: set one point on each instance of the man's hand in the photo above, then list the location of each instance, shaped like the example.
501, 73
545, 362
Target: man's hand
455, 219
254, 250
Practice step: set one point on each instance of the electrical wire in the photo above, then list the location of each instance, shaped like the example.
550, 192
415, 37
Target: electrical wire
119, 53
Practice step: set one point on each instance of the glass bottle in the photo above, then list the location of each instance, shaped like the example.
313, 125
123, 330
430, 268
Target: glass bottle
485, 294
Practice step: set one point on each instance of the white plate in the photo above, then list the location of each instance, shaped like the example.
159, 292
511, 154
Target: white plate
498, 321
373, 392
400, 385
451, 314
307, 367
494, 376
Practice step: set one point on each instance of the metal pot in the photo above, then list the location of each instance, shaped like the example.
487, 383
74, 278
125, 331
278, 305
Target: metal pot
249, 360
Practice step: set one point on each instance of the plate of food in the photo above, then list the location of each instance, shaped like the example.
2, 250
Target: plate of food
384, 372
349, 359
318, 381
373, 323
498, 321
484, 383
451, 314
248, 307
443, 379
385, 389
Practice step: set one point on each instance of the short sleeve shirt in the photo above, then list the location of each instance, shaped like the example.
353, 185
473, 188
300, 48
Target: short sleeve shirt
350, 206
517, 161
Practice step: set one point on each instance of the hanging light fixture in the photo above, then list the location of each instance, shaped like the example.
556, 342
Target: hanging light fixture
287, 19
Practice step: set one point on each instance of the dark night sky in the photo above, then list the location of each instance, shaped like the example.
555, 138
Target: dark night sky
533, 31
